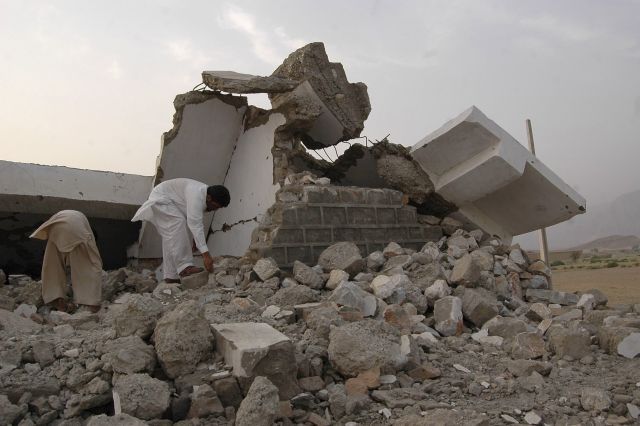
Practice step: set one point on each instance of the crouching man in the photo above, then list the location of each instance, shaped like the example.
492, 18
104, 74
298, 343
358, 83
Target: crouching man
175, 207
70, 242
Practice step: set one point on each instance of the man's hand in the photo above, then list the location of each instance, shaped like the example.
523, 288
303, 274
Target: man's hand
208, 261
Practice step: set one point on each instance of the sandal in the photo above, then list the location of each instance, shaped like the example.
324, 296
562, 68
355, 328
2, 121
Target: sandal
190, 270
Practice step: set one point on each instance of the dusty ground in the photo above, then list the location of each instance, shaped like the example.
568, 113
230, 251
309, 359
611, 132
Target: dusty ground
621, 285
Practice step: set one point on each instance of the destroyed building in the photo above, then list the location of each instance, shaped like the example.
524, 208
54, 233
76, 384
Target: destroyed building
470, 170
380, 288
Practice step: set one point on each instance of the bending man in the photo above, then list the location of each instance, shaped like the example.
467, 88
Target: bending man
172, 207
70, 242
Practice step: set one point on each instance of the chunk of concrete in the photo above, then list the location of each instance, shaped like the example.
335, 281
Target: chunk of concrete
574, 343
235, 82
257, 349
345, 256
478, 166
349, 294
261, 405
466, 271
629, 347
448, 315
266, 268
478, 306
196, 280
307, 276
143, 396
340, 107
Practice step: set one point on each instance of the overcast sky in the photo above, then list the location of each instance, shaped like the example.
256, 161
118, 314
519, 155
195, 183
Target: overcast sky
90, 84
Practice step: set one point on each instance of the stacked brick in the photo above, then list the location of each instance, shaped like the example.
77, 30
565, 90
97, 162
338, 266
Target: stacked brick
308, 219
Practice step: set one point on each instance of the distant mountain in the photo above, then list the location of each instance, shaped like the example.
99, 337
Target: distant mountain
612, 242
620, 217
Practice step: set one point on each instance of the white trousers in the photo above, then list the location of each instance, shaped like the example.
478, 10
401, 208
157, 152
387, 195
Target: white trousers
176, 247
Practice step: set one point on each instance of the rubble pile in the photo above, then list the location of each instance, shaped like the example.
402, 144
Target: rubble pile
463, 331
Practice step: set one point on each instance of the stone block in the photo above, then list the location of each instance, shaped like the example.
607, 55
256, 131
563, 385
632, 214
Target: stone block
527, 346
334, 215
505, 327
397, 233
353, 195
319, 194
195, 281
310, 215
374, 234
448, 315
289, 236
257, 349
318, 235
407, 215
575, 343
279, 254
377, 196
289, 216
466, 271
478, 307
341, 233
299, 252
361, 215
386, 216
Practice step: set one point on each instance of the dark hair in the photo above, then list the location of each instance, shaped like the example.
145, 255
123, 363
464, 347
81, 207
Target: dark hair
220, 194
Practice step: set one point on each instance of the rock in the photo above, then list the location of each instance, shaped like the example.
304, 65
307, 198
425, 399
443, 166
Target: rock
288, 297
532, 418
483, 259
568, 315
363, 345
121, 419
537, 281
539, 268
538, 312
234, 82
325, 90
375, 260
392, 249
182, 338
195, 280
629, 346
138, 316
261, 405
424, 372
129, 355
610, 337
307, 276
204, 402
575, 343
524, 367
266, 268
586, 302
505, 327
356, 386
25, 310
390, 289
399, 398
517, 256
311, 384
437, 290
466, 271
396, 316
448, 315
14, 324
345, 256
257, 349
426, 275
350, 294
593, 399
634, 410
336, 277
43, 352
551, 296
3, 279
478, 306
94, 394
527, 346
483, 337
450, 225
8, 411
142, 396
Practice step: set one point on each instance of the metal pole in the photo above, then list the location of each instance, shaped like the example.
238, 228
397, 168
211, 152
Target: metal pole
542, 232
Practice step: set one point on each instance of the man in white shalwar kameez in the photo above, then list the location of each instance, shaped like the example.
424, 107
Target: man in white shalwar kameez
175, 207
70, 242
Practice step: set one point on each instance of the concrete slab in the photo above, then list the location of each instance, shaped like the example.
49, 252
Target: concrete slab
257, 349
235, 82
497, 183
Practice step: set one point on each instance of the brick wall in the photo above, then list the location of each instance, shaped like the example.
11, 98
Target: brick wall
308, 219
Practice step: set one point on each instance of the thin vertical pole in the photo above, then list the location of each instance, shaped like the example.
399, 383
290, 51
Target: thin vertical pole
542, 232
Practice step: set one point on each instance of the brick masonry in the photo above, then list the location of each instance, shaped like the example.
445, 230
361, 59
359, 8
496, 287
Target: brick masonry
310, 218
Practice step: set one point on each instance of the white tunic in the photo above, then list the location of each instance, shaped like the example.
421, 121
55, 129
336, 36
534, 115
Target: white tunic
188, 196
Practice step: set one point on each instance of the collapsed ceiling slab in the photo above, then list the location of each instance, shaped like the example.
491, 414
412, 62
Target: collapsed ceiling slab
496, 182
235, 82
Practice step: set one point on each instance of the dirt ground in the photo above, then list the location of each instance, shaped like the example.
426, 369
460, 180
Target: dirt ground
621, 285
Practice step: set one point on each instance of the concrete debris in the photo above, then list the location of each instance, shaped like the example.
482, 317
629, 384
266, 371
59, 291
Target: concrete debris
447, 313
143, 396
261, 405
344, 256
351, 295
234, 82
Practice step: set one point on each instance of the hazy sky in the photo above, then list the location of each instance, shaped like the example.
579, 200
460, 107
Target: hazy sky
90, 84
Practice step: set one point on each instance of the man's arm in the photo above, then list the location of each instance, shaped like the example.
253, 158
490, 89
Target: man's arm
196, 203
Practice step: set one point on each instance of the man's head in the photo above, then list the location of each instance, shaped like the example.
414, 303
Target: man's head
217, 197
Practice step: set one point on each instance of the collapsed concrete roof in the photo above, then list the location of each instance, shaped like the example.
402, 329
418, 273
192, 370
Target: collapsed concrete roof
496, 182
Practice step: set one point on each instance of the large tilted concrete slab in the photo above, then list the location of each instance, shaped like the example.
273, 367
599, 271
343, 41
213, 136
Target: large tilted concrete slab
31, 193
496, 182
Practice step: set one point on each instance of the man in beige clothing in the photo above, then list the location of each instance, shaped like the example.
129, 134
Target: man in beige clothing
70, 242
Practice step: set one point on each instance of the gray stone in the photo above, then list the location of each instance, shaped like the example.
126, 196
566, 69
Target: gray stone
350, 294
363, 345
43, 352
572, 342
593, 399
538, 282
138, 316
94, 394
8, 411
142, 396
426, 275
307, 276
266, 268
532, 418
538, 312
601, 298
336, 277
195, 280
437, 290
586, 302
257, 349
228, 391
399, 398
634, 410
524, 367
466, 271
629, 346
540, 268
478, 306
204, 402
234, 82
14, 324
390, 289
448, 315
288, 297
261, 405
610, 337
345, 256
444, 417
375, 260
517, 257
121, 419
527, 346
483, 259
182, 339
128, 355
450, 225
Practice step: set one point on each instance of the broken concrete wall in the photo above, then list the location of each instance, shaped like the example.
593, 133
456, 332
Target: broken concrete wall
199, 146
250, 182
31, 193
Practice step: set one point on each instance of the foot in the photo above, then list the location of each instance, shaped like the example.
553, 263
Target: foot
172, 280
190, 270
88, 308
63, 305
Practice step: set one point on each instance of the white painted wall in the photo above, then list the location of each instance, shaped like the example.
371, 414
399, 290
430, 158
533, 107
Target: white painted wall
201, 150
496, 182
250, 182
34, 188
